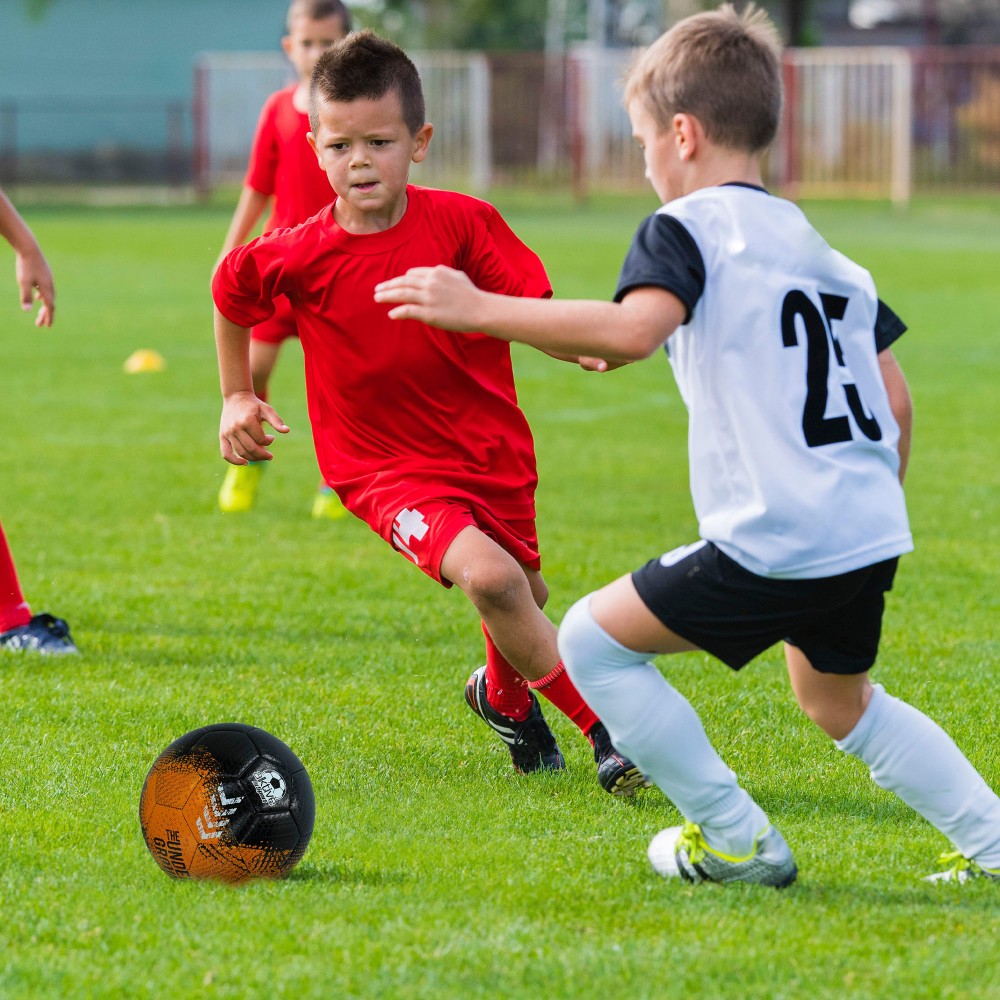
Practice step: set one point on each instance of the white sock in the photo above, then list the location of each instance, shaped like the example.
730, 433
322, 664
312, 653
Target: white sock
914, 757
657, 727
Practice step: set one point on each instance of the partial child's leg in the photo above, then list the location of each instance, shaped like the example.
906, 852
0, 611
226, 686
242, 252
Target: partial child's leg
608, 641
906, 752
521, 640
496, 584
14, 610
521, 646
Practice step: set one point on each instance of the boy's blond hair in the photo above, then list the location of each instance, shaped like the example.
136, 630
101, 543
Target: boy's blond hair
720, 66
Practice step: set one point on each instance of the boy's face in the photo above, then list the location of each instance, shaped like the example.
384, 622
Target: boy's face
366, 149
659, 148
307, 40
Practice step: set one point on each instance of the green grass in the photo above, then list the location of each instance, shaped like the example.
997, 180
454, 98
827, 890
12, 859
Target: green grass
434, 871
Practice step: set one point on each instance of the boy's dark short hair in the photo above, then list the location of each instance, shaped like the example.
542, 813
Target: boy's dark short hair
365, 66
320, 10
720, 66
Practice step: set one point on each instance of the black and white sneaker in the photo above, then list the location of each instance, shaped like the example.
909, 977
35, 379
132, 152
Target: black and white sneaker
616, 773
43, 634
530, 742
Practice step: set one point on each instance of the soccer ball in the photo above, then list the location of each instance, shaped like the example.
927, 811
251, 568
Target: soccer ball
227, 802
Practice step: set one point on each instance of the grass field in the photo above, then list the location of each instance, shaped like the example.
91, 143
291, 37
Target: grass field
434, 871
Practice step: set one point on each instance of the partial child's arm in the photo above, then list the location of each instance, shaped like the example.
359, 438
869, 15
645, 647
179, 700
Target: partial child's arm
31, 269
247, 214
900, 402
242, 438
625, 331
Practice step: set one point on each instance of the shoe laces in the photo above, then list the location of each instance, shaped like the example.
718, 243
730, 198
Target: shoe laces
534, 733
693, 842
956, 861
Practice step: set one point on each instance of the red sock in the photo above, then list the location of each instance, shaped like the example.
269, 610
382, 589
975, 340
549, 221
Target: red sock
14, 610
506, 690
562, 692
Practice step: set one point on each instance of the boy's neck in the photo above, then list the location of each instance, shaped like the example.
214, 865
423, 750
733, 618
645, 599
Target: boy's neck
367, 223
723, 166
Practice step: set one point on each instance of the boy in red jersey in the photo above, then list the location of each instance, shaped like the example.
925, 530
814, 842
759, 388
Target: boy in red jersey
19, 628
283, 173
417, 429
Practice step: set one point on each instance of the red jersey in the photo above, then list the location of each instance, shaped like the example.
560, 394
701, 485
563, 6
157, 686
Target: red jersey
283, 164
401, 411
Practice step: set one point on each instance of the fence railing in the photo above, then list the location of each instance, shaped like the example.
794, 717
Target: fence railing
879, 122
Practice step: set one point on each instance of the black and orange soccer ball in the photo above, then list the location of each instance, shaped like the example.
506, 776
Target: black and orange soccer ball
227, 802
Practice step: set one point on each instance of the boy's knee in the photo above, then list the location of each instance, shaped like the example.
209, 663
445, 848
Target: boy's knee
496, 585
835, 708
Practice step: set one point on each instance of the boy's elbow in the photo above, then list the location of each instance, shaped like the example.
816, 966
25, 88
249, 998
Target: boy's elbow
641, 344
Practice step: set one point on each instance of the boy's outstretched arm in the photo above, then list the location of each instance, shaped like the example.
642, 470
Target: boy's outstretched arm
242, 438
625, 331
31, 269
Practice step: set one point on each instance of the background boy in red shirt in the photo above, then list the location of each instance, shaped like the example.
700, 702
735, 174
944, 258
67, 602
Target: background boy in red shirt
283, 173
417, 429
19, 628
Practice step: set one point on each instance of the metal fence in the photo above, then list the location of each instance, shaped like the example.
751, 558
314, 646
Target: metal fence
879, 122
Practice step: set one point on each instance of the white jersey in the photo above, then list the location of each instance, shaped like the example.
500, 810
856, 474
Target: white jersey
792, 443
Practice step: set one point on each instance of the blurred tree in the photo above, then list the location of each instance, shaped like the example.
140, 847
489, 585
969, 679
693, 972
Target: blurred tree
37, 9
796, 21
465, 24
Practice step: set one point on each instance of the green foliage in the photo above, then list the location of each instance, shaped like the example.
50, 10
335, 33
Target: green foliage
491, 25
37, 9
434, 871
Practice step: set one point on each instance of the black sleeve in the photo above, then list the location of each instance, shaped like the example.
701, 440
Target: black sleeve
664, 255
888, 327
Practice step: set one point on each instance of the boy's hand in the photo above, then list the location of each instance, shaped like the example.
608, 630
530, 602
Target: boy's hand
242, 438
599, 364
34, 278
439, 296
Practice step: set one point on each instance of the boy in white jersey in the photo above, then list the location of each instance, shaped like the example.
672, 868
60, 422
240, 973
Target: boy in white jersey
799, 435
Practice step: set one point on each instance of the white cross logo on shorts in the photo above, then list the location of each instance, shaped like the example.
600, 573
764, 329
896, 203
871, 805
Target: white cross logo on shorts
409, 524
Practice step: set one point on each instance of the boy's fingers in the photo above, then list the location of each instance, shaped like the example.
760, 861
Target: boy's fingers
270, 415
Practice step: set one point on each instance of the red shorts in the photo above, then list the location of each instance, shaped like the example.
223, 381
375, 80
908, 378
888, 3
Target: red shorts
423, 533
280, 326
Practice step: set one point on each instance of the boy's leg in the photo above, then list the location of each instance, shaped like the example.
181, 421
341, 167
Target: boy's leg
608, 641
521, 645
907, 753
20, 630
14, 610
496, 584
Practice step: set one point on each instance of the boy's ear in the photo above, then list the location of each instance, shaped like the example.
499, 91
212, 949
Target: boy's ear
311, 139
286, 44
687, 132
421, 141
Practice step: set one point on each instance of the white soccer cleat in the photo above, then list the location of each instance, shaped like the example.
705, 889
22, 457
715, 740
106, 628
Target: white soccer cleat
683, 852
960, 869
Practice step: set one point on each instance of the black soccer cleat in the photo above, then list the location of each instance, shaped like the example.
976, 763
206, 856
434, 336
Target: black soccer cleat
43, 634
616, 773
530, 742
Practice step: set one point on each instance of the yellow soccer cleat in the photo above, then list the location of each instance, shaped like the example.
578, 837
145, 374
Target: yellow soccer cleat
239, 488
327, 505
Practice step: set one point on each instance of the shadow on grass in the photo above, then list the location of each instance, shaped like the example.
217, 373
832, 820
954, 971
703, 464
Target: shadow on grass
345, 873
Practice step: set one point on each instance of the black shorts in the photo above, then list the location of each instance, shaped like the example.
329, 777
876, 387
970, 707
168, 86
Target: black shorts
705, 597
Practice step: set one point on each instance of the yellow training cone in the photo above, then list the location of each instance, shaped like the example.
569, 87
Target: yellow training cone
144, 360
